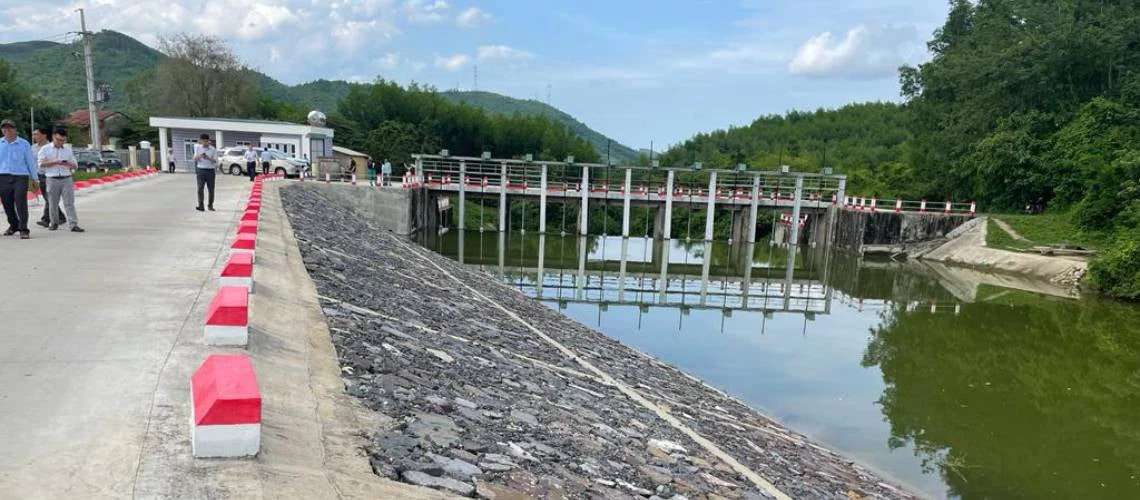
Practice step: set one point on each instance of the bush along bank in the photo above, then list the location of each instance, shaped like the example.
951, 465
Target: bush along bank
486, 406
1115, 271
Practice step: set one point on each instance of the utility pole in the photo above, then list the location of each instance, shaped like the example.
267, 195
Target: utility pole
91, 111
476, 78
33, 120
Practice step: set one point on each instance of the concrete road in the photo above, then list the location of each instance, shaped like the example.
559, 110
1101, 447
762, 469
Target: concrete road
87, 325
98, 335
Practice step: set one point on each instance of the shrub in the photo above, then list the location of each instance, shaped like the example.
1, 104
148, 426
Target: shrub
1116, 271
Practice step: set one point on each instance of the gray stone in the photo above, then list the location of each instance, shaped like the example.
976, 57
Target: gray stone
455, 467
437, 429
495, 467
443, 356
519, 453
524, 417
443, 483
463, 455
463, 403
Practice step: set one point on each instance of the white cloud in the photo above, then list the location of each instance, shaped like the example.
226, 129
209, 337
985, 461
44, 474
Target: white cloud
426, 12
865, 51
472, 18
453, 63
388, 61
488, 52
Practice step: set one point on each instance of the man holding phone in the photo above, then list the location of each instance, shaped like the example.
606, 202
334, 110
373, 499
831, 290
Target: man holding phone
58, 163
206, 161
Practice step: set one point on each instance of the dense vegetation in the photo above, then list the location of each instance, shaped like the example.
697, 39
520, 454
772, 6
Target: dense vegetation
508, 106
387, 120
1022, 100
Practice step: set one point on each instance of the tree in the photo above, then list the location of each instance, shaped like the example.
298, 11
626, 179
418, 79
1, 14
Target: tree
16, 102
202, 77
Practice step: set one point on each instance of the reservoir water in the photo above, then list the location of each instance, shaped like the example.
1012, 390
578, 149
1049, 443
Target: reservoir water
957, 383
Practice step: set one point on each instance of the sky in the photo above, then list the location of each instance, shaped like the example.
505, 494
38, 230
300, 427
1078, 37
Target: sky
640, 72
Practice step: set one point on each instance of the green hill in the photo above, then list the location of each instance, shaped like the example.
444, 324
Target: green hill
55, 72
503, 105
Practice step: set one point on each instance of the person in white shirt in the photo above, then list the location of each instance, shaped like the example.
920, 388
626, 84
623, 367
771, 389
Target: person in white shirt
41, 136
206, 163
250, 162
57, 162
266, 159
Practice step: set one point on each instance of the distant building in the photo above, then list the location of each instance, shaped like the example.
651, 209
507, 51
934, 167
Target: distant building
293, 139
112, 124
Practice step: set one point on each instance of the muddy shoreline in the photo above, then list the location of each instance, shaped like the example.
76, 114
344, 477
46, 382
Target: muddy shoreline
494, 395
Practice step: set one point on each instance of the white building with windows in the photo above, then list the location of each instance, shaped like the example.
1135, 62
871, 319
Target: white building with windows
177, 136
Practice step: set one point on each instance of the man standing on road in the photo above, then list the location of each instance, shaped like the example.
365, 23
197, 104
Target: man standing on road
40, 138
58, 163
250, 162
385, 172
266, 159
206, 163
17, 168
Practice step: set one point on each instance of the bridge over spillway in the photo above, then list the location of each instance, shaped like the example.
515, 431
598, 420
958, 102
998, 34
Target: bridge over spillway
742, 193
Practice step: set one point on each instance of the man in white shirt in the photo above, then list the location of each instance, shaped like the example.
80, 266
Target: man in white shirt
57, 163
266, 159
250, 162
41, 136
206, 163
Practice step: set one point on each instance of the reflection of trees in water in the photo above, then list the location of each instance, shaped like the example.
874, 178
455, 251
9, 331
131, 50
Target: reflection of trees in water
1038, 400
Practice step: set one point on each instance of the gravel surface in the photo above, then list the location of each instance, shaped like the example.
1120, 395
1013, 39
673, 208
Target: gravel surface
489, 407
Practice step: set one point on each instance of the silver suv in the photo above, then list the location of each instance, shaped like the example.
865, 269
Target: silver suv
232, 161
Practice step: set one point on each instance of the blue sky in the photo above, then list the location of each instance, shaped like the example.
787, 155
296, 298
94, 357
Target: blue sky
637, 71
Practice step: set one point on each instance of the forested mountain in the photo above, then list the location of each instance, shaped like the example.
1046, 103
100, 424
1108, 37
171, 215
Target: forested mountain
55, 72
503, 105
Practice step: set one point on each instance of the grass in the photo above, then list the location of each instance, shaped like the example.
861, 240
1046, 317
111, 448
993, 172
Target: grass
82, 175
1043, 229
998, 238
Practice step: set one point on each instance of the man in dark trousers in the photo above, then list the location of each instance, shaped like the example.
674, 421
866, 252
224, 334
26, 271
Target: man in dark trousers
206, 163
17, 168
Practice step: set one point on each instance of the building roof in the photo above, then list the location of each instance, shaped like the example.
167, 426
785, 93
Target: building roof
348, 152
239, 125
82, 117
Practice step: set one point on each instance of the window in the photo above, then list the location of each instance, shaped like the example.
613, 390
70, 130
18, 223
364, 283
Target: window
188, 148
243, 144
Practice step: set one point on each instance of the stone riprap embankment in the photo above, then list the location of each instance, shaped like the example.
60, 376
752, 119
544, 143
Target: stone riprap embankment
497, 396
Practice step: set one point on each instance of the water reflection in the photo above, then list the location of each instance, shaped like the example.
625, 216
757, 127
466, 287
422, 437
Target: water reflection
959, 383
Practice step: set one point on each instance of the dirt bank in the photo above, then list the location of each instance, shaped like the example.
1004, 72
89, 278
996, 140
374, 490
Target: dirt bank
493, 394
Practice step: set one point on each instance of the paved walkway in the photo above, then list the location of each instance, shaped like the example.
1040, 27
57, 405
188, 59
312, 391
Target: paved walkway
99, 334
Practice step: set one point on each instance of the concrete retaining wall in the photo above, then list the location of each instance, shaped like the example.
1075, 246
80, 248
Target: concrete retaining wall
855, 230
390, 209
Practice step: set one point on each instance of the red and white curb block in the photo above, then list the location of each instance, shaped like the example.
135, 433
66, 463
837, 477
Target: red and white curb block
244, 243
238, 271
226, 401
227, 317
247, 227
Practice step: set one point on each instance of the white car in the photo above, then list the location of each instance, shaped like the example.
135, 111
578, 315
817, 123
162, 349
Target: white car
232, 160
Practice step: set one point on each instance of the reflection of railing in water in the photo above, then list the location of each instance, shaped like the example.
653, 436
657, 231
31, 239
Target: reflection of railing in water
747, 292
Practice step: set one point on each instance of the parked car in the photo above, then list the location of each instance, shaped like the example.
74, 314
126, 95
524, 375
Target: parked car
111, 159
232, 161
89, 159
